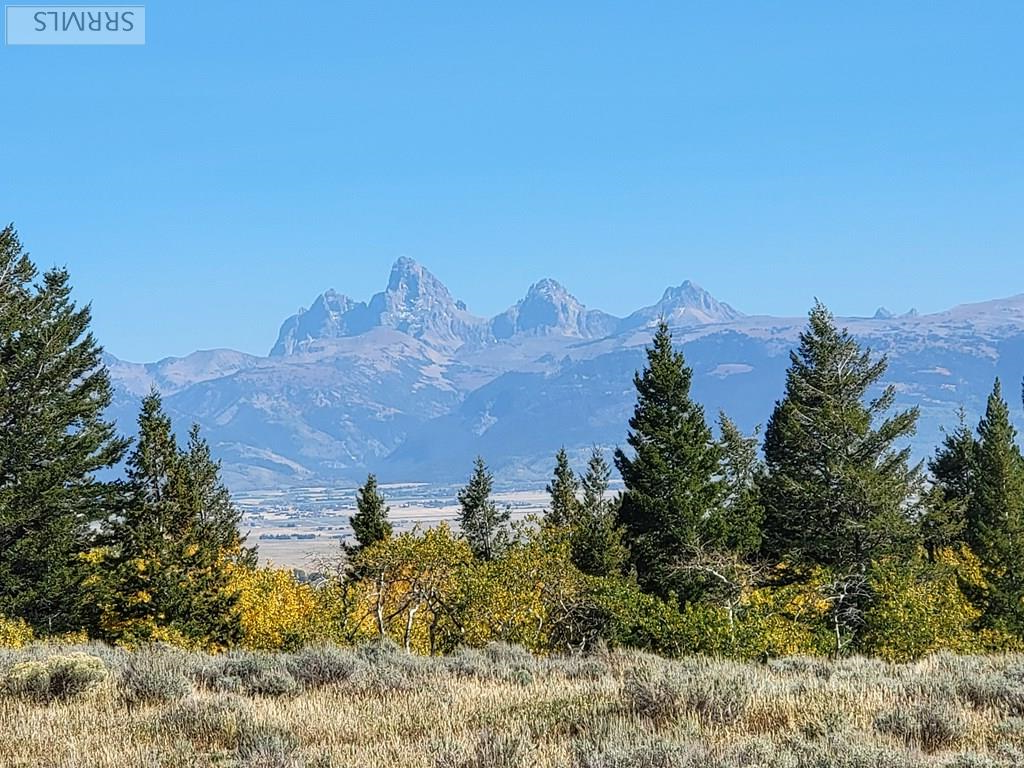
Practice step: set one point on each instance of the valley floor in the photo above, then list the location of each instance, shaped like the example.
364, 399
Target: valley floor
501, 708
303, 528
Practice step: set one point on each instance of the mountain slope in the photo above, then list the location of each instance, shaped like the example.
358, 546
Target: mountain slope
412, 385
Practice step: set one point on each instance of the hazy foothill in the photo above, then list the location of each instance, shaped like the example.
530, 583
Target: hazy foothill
804, 594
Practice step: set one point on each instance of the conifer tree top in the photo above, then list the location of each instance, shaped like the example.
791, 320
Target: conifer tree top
839, 480
563, 490
370, 523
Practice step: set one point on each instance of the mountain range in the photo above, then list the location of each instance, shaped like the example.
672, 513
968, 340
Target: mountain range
412, 385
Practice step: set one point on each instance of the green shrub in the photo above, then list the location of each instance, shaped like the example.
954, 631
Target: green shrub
933, 727
256, 674
265, 746
492, 749
316, 667
713, 695
154, 675
652, 696
217, 722
57, 678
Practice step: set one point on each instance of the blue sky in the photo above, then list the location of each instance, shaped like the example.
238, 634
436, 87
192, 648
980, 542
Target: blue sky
202, 187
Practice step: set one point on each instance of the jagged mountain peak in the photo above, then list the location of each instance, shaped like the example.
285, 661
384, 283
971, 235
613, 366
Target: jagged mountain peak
332, 301
408, 273
331, 315
882, 313
549, 309
418, 303
413, 286
689, 294
684, 304
414, 302
687, 290
548, 286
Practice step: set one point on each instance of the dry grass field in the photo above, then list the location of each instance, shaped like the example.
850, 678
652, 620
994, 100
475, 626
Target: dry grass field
96, 706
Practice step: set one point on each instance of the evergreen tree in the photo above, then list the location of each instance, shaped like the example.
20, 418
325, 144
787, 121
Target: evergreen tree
953, 466
217, 545
596, 539
953, 474
595, 482
995, 518
53, 441
370, 523
484, 525
735, 526
563, 490
670, 480
173, 545
838, 492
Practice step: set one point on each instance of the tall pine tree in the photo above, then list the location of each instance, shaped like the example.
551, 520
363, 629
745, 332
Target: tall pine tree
53, 441
370, 523
953, 466
563, 489
839, 490
671, 478
484, 525
596, 539
171, 549
995, 517
735, 525
947, 502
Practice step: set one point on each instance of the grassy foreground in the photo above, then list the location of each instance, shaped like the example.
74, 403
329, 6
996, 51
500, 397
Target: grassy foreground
501, 708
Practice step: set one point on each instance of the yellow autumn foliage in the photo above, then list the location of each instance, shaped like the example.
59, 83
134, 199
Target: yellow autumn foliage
279, 612
407, 588
784, 620
515, 598
14, 633
920, 607
426, 591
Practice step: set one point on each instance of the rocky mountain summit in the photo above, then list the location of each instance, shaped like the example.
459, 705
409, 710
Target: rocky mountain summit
415, 303
684, 305
548, 309
412, 385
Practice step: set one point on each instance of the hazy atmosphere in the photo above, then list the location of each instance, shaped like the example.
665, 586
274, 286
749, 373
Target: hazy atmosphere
465, 385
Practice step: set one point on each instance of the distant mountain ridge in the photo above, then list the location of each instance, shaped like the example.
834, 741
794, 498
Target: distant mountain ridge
411, 384
415, 302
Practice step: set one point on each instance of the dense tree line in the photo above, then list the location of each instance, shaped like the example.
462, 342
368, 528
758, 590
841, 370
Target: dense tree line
142, 558
822, 537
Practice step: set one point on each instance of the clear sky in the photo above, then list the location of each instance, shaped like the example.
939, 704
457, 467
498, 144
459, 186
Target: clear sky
251, 155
